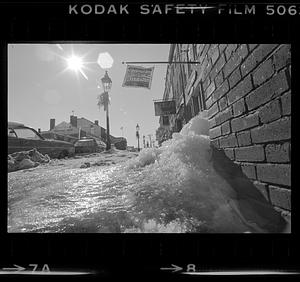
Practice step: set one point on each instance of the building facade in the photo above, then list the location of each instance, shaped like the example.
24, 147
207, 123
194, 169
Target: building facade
246, 89
82, 127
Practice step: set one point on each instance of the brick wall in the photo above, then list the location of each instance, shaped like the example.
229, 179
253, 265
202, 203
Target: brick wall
247, 88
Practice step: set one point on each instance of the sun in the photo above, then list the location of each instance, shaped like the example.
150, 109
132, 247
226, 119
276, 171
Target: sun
75, 63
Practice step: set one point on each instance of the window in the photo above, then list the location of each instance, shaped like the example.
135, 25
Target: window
196, 104
165, 120
11, 133
26, 133
188, 112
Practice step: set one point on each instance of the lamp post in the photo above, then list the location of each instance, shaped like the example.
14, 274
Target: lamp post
138, 135
107, 83
144, 141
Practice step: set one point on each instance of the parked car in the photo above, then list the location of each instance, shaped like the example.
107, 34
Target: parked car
120, 143
23, 138
86, 145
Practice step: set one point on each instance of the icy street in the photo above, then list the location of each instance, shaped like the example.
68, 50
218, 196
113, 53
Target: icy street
103, 192
175, 188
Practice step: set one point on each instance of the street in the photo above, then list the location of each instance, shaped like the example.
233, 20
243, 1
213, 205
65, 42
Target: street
65, 195
116, 192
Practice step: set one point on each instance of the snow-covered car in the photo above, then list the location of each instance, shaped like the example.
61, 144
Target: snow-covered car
23, 138
86, 145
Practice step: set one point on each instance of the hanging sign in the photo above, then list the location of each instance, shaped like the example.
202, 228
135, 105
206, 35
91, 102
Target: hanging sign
165, 108
137, 76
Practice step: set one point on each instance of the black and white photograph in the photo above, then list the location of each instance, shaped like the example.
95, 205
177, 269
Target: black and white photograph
149, 138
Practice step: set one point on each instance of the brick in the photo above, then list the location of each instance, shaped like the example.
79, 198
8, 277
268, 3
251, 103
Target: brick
252, 46
276, 131
286, 103
282, 57
278, 153
235, 60
225, 128
222, 103
213, 110
263, 73
212, 122
280, 197
234, 78
222, 47
215, 55
273, 88
229, 153
203, 54
239, 107
224, 116
228, 141
279, 174
244, 122
221, 91
270, 112
249, 170
207, 69
209, 102
256, 57
219, 79
239, 91
262, 188
254, 153
229, 50
215, 132
201, 68
244, 138
211, 88
217, 68
206, 83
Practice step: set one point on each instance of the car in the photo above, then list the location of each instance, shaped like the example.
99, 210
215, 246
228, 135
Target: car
24, 138
86, 145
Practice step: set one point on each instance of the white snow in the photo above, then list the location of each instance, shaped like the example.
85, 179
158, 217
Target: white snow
184, 164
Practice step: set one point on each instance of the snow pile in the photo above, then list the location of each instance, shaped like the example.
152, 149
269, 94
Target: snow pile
198, 125
26, 159
185, 145
179, 179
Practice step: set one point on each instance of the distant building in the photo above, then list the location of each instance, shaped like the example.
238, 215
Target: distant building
81, 127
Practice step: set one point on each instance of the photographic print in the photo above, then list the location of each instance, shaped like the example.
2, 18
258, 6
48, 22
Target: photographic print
149, 138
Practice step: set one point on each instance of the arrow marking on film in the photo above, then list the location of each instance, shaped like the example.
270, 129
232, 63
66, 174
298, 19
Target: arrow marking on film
174, 267
16, 268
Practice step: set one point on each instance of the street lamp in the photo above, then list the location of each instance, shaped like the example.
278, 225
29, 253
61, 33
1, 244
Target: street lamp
105, 61
106, 84
138, 135
144, 141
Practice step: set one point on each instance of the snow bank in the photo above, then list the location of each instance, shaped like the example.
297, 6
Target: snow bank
198, 125
181, 174
194, 135
26, 159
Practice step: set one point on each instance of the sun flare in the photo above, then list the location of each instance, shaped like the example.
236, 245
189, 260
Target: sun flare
75, 63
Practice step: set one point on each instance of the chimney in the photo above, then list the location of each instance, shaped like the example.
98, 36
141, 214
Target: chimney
73, 120
52, 123
97, 122
39, 130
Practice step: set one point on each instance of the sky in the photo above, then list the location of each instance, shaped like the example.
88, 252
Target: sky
41, 87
